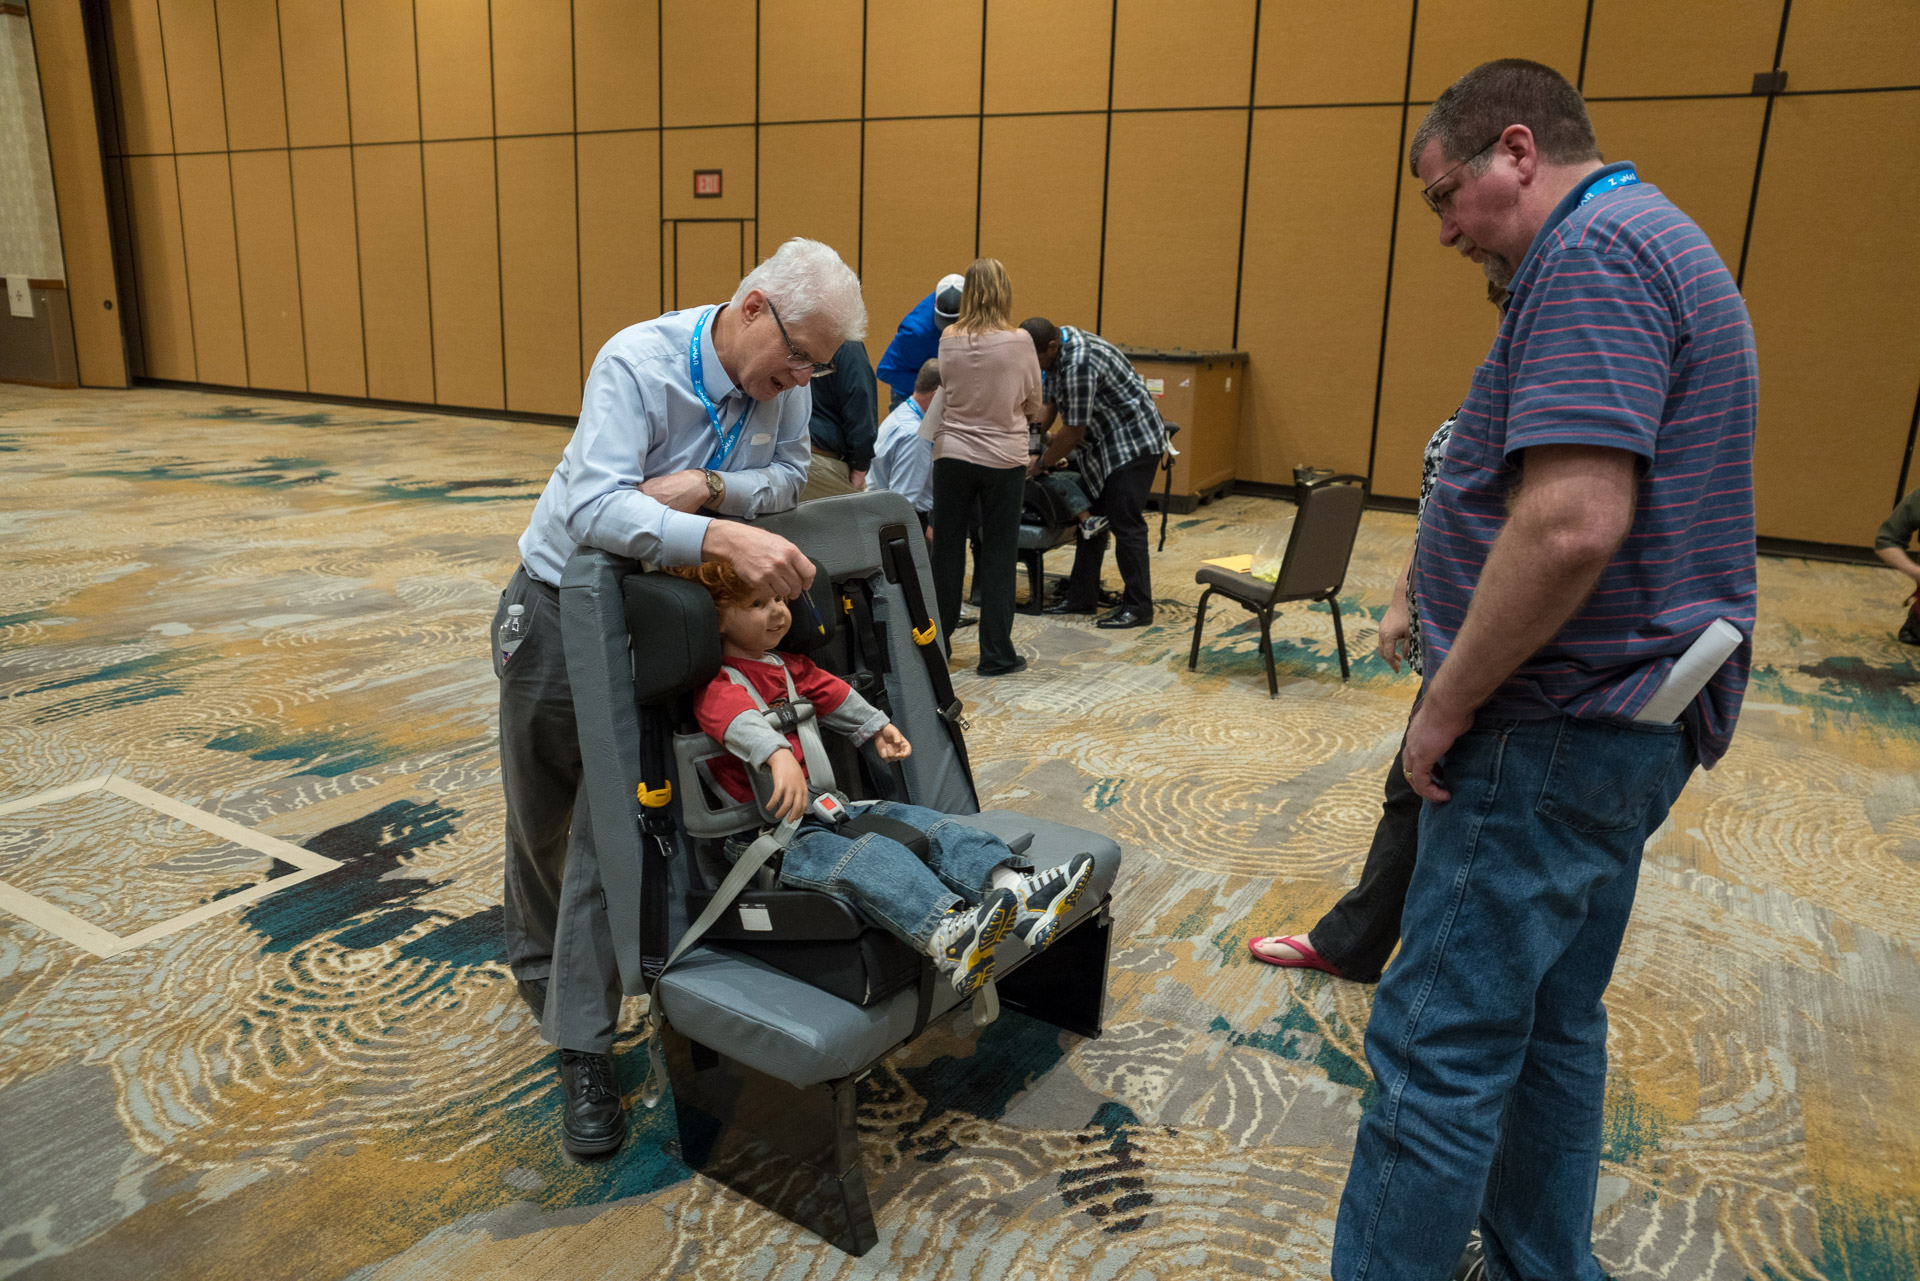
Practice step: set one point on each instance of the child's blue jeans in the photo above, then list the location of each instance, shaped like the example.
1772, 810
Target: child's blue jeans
1067, 485
883, 879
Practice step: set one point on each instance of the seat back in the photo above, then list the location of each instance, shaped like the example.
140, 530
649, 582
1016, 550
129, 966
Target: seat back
1042, 507
1315, 564
640, 645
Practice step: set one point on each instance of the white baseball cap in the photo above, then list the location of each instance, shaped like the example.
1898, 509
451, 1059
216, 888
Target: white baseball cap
946, 298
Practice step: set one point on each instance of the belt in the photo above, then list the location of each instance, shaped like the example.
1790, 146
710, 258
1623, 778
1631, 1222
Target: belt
541, 583
827, 453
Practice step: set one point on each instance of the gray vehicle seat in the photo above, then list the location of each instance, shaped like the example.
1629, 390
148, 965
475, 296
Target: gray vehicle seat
1044, 525
800, 1034
761, 1062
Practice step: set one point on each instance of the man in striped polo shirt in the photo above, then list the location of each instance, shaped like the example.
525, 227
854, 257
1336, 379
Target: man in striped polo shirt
1592, 515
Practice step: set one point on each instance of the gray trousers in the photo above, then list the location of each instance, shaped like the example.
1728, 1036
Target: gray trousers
557, 925
826, 477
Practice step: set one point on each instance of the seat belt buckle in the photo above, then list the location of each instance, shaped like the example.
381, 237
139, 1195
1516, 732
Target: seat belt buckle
829, 809
954, 713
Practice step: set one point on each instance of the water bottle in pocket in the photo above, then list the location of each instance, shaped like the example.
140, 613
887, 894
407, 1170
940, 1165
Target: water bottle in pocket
513, 630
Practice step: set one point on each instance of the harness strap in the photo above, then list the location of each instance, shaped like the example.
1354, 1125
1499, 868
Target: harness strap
656, 832
743, 871
797, 718
868, 657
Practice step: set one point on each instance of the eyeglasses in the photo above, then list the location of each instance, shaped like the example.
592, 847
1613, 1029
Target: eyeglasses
1433, 201
797, 359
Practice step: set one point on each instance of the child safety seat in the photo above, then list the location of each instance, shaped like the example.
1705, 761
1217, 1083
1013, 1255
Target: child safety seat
764, 1023
1041, 505
813, 936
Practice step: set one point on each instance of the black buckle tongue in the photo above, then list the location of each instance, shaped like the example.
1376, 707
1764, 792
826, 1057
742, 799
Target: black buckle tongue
954, 713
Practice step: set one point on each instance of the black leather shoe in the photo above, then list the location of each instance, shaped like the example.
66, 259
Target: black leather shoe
1066, 607
1125, 617
593, 1121
1473, 1262
534, 993
1017, 665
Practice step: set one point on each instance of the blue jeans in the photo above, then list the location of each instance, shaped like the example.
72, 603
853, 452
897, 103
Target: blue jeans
1067, 485
885, 882
1488, 1039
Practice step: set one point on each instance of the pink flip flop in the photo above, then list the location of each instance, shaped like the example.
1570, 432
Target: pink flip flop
1309, 959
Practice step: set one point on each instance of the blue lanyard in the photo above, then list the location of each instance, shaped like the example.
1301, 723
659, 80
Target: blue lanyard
1618, 178
728, 439
918, 412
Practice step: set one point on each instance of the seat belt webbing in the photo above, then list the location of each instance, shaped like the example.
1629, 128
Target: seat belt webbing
765, 847
925, 636
817, 767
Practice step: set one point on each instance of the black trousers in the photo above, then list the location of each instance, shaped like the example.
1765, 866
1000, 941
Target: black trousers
1122, 500
556, 919
955, 486
1359, 932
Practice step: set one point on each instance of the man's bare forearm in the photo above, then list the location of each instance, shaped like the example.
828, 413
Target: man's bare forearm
1060, 444
1898, 558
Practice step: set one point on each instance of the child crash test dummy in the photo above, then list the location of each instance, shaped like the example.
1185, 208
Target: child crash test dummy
954, 903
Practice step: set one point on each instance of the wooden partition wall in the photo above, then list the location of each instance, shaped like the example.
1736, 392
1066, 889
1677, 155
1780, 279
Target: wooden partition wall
456, 201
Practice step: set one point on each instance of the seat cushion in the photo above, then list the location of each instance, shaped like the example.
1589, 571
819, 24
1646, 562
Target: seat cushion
1040, 538
792, 1030
1244, 586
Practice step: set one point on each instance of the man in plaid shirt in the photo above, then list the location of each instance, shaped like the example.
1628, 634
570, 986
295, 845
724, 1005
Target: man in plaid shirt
1109, 424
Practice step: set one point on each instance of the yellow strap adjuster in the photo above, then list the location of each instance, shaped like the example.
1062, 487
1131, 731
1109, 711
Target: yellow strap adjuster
654, 798
924, 636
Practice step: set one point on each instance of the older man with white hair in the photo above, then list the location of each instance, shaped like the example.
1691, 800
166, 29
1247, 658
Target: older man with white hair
697, 415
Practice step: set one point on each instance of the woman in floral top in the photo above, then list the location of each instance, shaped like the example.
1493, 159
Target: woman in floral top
1357, 935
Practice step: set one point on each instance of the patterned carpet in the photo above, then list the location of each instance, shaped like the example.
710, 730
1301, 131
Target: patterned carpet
271, 617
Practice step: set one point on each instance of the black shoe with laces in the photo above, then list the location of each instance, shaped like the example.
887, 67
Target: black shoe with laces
1047, 898
1473, 1261
593, 1120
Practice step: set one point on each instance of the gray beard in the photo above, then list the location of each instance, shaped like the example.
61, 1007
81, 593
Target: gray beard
1497, 269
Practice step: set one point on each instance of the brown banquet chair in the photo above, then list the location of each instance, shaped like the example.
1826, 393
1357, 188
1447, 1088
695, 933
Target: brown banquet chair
1313, 568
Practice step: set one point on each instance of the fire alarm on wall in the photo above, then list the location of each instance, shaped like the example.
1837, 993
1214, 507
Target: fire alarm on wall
706, 183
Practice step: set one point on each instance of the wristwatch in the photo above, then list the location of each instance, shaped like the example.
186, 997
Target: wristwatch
716, 488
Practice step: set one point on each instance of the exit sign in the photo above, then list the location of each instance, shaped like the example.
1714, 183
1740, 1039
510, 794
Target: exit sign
706, 183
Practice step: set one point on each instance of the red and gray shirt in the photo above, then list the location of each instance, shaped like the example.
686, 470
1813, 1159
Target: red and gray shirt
1624, 330
727, 713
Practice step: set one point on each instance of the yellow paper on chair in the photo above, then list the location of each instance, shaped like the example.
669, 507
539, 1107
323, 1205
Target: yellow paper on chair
1238, 564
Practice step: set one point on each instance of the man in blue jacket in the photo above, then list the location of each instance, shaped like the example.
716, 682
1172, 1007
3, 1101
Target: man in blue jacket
918, 339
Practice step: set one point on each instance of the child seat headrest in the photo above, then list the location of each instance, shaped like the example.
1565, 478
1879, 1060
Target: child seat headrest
675, 634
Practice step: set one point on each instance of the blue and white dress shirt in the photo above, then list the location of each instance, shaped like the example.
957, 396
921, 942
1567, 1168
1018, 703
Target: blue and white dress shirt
902, 461
640, 418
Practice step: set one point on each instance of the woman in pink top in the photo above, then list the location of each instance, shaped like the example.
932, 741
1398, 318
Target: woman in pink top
989, 389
